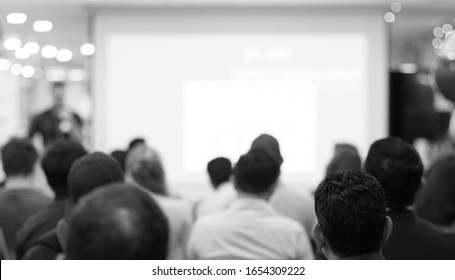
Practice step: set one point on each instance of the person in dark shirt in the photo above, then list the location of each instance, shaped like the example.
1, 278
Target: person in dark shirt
398, 167
56, 164
59, 122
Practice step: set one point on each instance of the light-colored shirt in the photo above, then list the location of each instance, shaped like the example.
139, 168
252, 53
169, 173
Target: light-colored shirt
295, 205
180, 217
249, 229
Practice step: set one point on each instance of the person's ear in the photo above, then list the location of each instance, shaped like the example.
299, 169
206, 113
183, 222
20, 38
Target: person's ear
388, 226
319, 238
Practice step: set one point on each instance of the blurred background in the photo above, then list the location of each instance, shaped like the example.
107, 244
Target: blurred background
174, 72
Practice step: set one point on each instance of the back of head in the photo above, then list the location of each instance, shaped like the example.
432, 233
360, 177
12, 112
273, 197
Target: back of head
256, 172
220, 170
269, 144
90, 172
136, 142
57, 162
118, 221
120, 157
144, 166
436, 201
397, 165
19, 157
346, 158
351, 213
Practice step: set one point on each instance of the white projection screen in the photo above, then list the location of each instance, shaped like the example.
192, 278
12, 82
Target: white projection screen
198, 83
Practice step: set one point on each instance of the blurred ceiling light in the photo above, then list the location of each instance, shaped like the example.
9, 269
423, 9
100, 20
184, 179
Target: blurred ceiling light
438, 32
12, 44
56, 75
408, 68
16, 69
87, 49
28, 71
5, 64
42, 26
447, 28
21, 53
396, 7
32, 47
64, 55
76, 75
16, 18
49, 51
38, 73
437, 43
389, 17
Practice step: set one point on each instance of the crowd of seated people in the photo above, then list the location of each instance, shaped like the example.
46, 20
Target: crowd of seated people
119, 206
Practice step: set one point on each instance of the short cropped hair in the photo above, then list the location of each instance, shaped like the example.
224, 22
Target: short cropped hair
219, 170
397, 165
351, 212
57, 162
436, 201
19, 157
256, 172
118, 221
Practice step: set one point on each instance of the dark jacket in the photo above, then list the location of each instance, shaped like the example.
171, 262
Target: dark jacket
415, 239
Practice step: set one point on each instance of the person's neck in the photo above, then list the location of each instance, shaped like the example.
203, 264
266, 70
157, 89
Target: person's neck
19, 182
262, 196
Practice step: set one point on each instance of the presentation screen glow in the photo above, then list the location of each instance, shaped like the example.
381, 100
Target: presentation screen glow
195, 96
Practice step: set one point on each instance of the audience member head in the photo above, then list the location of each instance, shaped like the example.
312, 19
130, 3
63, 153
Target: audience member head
346, 157
220, 170
19, 157
57, 162
144, 167
58, 94
269, 144
256, 173
397, 165
119, 221
136, 142
436, 201
120, 157
351, 214
90, 172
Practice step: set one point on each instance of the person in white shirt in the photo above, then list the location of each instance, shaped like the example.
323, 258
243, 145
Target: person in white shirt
250, 228
298, 206
144, 169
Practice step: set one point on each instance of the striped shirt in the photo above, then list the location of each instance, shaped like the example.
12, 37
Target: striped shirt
16, 205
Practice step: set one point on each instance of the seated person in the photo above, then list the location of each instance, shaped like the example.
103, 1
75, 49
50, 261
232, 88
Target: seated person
19, 198
346, 157
250, 228
436, 201
56, 165
117, 222
220, 171
352, 222
86, 174
145, 170
398, 167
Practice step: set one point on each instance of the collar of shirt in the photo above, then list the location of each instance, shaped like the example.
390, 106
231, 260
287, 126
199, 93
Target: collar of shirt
251, 203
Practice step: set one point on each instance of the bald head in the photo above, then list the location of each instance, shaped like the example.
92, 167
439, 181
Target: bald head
144, 167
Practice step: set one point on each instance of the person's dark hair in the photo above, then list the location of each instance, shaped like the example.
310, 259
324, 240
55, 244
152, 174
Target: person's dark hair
120, 157
118, 221
57, 162
135, 142
219, 170
58, 85
256, 172
350, 210
346, 157
19, 157
436, 201
397, 165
